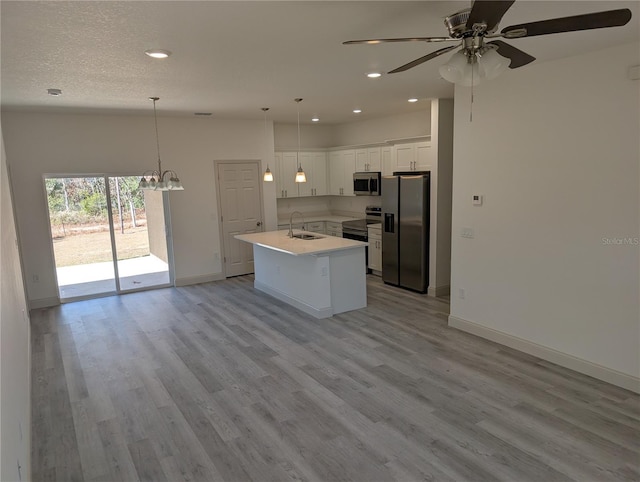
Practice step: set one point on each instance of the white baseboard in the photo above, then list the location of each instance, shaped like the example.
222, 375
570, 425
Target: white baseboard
439, 290
196, 280
318, 313
44, 303
594, 370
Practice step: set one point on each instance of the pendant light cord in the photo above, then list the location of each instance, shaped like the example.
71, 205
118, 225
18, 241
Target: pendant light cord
155, 116
298, 154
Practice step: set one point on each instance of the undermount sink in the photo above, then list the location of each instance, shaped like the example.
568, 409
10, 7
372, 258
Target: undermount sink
306, 236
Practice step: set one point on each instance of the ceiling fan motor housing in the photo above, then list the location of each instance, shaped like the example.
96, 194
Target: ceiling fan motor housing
457, 23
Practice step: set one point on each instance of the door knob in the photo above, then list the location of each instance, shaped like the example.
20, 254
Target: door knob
259, 223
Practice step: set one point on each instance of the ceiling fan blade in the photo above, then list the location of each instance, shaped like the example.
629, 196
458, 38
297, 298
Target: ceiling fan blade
517, 56
609, 18
408, 39
421, 60
489, 12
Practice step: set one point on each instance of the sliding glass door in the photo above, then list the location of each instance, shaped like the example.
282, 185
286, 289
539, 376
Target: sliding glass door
108, 237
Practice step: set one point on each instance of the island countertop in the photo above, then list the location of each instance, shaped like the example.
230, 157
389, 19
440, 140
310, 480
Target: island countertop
279, 241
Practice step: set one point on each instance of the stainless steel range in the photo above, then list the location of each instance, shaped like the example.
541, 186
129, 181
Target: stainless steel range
357, 228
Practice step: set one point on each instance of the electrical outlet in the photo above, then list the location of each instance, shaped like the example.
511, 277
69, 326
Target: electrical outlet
36, 278
461, 293
324, 271
466, 233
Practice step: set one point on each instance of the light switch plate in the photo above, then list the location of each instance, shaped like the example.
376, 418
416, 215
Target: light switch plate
477, 199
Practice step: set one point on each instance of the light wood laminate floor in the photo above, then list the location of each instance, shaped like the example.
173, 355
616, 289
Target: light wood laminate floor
222, 382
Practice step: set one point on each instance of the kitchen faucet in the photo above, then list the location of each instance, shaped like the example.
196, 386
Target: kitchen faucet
291, 220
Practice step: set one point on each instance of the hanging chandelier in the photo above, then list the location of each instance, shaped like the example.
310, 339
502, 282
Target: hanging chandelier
159, 180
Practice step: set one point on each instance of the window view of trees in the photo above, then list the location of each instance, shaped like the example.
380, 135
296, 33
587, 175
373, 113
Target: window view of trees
81, 204
80, 221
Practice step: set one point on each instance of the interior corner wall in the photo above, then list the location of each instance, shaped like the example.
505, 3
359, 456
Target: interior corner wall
47, 143
15, 333
553, 265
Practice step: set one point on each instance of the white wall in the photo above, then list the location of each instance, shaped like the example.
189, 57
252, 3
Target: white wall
380, 129
554, 149
39, 143
312, 136
15, 333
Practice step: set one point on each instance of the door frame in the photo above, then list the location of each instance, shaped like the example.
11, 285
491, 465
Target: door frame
216, 170
118, 291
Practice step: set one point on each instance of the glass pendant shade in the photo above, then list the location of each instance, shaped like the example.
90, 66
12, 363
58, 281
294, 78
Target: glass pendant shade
300, 175
471, 75
453, 71
268, 175
492, 64
174, 184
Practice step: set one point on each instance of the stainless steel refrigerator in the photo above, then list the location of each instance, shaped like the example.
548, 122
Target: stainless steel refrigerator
406, 202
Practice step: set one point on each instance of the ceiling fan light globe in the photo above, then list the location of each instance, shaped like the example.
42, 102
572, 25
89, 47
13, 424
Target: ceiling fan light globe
453, 71
492, 64
471, 75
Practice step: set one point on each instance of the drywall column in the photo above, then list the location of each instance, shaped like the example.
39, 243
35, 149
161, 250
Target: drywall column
15, 339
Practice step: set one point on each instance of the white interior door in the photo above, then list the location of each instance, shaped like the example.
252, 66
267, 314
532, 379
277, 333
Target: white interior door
241, 213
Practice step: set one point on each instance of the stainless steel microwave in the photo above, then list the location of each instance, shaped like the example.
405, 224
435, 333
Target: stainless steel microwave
366, 183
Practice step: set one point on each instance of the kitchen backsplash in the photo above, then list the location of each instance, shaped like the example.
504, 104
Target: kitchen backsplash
340, 205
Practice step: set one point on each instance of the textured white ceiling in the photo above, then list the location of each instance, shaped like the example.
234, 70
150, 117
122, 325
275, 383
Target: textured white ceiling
231, 58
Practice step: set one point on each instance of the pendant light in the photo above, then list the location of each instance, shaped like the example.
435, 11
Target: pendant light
268, 175
156, 180
300, 175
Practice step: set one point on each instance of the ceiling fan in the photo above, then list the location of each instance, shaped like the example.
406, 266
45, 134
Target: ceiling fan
479, 58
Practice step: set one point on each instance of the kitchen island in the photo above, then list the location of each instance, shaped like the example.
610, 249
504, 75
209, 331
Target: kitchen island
322, 276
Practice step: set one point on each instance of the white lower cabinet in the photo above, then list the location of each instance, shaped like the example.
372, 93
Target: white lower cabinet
316, 227
375, 249
334, 229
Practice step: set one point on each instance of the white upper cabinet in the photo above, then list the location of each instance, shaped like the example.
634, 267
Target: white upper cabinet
413, 156
387, 160
285, 174
342, 165
368, 159
314, 165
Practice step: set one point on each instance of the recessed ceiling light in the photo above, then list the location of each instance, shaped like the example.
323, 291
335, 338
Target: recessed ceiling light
413, 99
157, 53
54, 92
374, 75
315, 119
357, 111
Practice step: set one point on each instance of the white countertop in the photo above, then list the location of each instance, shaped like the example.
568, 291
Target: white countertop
279, 241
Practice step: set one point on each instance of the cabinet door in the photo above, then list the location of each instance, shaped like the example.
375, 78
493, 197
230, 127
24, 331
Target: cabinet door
320, 184
336, 173
277, 174
362, 160
375, 162
316, 227
349, 158
424, 156
387, 161
287, 172
405, 157
306, 161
